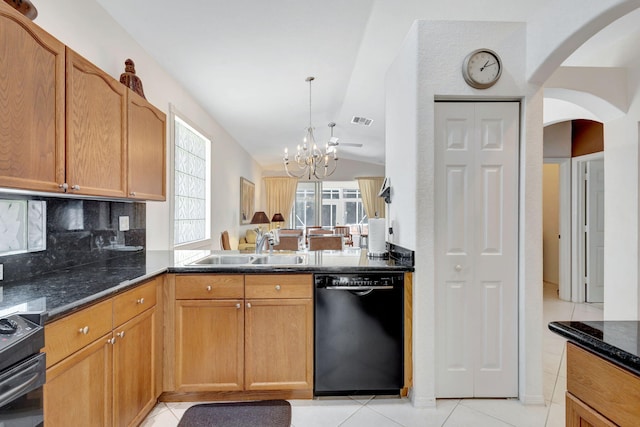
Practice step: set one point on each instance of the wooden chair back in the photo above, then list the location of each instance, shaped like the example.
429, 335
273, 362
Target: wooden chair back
287, 243
291, 232
345, 231
224, 241
321, 243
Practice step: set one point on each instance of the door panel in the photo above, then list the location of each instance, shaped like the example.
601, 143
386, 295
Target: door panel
595, 231
476, 240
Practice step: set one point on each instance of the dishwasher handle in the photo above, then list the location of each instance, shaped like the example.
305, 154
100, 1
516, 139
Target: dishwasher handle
356, 288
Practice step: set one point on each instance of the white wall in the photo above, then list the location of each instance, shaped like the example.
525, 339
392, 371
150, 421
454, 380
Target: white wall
88, 29
557, 140
427, 68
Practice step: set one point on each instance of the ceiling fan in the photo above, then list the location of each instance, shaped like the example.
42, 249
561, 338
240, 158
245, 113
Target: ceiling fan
333, 141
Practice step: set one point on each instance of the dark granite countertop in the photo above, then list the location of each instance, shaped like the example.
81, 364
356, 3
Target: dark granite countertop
62, 292
615, 341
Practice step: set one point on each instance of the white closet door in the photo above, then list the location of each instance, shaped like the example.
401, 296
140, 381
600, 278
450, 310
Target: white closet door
476, 249
595, 231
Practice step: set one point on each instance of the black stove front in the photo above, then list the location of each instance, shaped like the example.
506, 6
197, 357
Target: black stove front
22, 372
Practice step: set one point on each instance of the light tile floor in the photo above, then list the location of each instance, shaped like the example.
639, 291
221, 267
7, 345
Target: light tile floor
377, 411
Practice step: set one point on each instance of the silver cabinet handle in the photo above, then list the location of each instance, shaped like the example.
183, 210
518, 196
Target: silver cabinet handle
248, 305
133, 194
277, 287
75, 187
209, 288
140, 301
64, 186
84, 331
238, 306
111, 341
120, 334
458, 267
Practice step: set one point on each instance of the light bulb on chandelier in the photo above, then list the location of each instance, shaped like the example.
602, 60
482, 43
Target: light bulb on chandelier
309, 160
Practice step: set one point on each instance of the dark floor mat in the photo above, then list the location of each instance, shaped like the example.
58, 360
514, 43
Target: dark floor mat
264, 413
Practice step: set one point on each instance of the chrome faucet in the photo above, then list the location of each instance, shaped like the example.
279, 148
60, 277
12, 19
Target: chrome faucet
272, 236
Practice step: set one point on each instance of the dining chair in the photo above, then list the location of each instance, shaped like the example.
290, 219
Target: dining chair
320, 243
344, 231
224, 241
288, 243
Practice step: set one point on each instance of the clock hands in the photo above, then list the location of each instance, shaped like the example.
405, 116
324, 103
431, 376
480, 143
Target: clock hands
486, 65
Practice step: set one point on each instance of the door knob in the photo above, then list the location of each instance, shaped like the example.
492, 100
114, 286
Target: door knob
458, 267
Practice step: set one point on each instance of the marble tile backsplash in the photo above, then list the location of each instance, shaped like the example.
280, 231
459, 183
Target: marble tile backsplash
78, 232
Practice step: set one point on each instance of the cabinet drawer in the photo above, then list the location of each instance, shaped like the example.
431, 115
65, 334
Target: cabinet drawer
206, 286
279, 286
69, 334
131, 303
607, 388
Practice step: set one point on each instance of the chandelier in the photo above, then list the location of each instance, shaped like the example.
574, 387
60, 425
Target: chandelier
309, 160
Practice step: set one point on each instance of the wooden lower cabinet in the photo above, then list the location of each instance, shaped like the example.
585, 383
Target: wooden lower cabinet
113, 380
262, 342
79, 389
278, 344
209, 345
580, 414
133, 369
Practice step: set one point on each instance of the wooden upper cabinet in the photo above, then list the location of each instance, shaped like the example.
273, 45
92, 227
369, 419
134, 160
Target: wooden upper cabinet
96, 130
32, 99
147, 149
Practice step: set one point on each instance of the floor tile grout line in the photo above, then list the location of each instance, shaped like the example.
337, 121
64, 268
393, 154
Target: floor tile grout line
484, 413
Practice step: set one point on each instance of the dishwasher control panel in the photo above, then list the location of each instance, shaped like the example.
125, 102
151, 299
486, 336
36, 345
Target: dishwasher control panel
358, 280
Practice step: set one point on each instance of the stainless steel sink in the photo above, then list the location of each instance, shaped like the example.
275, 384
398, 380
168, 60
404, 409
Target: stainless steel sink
251, 259
224, 259
280, 260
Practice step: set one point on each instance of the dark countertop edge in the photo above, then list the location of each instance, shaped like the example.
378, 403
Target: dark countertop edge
59, 312
615, 355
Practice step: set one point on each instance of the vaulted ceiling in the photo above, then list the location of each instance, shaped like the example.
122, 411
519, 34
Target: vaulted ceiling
246, 61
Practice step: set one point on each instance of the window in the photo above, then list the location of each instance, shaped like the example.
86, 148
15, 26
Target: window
339, 204
192, 168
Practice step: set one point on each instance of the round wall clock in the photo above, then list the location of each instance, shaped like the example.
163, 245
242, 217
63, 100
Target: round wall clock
481, 68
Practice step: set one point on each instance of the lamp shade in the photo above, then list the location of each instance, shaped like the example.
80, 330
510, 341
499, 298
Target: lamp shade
260, 218
277, 218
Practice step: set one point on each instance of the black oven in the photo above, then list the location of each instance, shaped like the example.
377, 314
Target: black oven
22, 372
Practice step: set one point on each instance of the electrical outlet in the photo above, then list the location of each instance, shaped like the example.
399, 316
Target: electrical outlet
1, 271
1, 294
123, 223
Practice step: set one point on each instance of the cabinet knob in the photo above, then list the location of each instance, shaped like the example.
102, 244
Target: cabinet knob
64, 186
111, 341
248, 305
277, 287
238, 305
140, 301
75, 187
458, 267
132, 194
120, 334
84, 331
209, 288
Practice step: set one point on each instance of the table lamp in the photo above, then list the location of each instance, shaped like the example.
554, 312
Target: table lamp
277, 218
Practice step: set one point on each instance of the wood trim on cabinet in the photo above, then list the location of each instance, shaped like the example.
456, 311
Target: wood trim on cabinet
32, 128
578, 414
279, 286
408, 331
209, 286
607, 388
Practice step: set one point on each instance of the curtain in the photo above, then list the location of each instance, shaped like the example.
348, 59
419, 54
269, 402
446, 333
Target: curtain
281, 193
369, 189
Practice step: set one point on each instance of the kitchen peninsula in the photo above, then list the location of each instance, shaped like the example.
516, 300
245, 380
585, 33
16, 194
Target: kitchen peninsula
603, 372
122, 332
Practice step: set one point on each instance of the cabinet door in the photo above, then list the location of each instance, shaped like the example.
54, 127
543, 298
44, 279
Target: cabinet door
279, 344
209, 344
579, 414
31, 105
133, 369
78, 390
147, 149
96, 130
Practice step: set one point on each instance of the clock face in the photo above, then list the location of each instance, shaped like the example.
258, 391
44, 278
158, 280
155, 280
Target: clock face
482, 68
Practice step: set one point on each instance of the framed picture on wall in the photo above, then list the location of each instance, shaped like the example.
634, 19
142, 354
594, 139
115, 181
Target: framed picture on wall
247, 200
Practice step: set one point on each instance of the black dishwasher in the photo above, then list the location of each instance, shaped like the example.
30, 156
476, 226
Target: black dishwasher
359, 330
